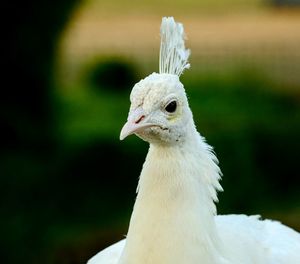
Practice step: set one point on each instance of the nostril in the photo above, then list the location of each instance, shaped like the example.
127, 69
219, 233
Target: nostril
140, 119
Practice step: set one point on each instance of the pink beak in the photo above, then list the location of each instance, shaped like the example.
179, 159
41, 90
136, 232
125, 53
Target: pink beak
135, 123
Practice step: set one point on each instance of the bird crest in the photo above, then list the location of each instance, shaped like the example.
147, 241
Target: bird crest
173, 57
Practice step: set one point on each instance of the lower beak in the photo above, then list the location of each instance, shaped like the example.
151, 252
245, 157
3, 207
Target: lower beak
136, 122
131, 128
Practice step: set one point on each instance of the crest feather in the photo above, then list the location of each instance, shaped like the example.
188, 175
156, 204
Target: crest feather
173, 56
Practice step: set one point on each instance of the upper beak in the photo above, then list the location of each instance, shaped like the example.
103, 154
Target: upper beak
136, 122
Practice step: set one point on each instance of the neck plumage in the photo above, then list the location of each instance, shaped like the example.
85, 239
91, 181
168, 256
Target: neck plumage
173, 216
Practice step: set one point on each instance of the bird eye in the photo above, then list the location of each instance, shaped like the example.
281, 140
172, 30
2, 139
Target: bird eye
171, 107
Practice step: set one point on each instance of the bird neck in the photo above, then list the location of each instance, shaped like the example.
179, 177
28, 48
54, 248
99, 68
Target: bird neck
173, 217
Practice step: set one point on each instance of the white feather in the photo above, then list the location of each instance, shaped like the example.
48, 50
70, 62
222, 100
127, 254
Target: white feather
247, 240
174, 56
110, 255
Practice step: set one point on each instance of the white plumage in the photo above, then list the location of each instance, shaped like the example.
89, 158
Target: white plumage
173, 56
174, 218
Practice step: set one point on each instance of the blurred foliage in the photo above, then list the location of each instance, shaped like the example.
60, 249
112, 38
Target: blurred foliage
29, 46
68, 184
112, 74
286, 2
31, 32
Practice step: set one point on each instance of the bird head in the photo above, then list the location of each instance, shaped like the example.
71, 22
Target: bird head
159, 111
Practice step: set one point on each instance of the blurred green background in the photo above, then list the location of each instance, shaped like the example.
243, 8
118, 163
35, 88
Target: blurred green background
68, 184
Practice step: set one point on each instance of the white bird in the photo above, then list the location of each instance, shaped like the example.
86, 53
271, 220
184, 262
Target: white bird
174, 218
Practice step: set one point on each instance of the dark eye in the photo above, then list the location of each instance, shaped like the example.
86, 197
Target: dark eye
171, 107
